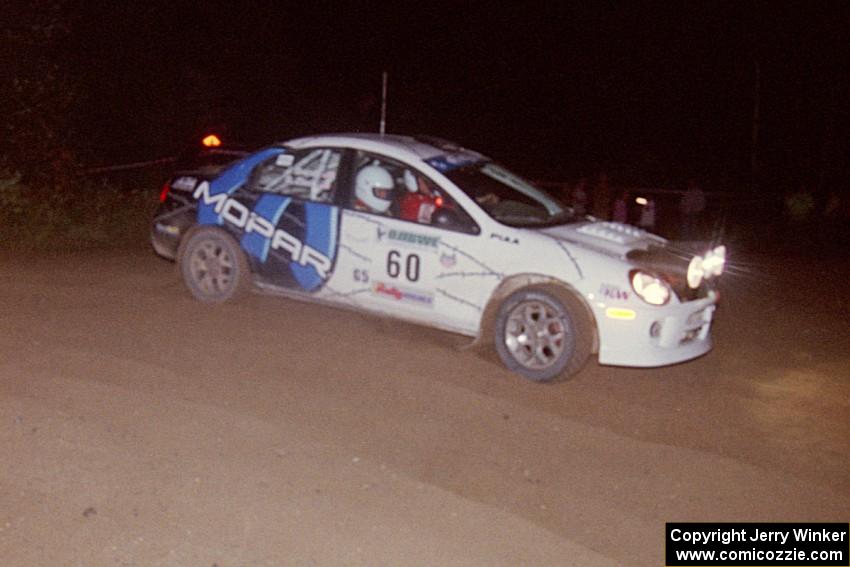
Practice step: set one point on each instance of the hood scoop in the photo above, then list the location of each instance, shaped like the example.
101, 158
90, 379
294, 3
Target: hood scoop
616, 232
612, 238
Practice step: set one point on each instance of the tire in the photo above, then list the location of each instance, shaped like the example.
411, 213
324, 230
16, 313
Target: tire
213, 266
543, 336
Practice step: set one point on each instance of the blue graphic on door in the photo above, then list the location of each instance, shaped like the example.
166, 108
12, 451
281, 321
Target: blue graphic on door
290, 242
299, 251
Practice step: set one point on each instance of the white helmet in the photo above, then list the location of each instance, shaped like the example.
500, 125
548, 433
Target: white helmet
374, 188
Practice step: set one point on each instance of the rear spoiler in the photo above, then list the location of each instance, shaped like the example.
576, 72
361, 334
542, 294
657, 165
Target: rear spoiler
209, 161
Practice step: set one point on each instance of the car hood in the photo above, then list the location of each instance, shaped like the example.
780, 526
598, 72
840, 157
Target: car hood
612, 238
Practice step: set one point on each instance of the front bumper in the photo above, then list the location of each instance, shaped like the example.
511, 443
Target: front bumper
657, 337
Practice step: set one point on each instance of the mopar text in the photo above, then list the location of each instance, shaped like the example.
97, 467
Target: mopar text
239, 215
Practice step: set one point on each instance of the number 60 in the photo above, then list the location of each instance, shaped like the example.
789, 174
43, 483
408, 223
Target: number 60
411, 265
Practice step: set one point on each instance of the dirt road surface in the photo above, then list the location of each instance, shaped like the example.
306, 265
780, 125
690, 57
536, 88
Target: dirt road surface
142, 428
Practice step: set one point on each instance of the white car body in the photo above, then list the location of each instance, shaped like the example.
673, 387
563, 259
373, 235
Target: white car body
461, 277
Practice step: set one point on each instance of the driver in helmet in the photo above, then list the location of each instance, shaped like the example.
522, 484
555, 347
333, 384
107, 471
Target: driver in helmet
373, 190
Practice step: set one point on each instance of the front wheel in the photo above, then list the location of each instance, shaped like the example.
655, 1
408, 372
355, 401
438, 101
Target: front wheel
213, 266
542, 337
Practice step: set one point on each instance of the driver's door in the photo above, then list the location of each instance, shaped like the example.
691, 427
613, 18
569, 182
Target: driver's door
411, 262
291, 232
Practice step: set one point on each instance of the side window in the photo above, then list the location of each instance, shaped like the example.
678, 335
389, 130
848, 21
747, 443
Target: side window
385, 187
304, 174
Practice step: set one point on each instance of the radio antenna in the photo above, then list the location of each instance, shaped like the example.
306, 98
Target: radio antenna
384, 105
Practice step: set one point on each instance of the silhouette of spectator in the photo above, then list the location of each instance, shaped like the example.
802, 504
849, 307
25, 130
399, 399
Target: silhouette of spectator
831, 225
647, 215
620, 210
691, 207
602, 198
799, 206
832, 209
579, 197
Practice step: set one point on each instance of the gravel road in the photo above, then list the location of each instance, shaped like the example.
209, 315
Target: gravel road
140, 427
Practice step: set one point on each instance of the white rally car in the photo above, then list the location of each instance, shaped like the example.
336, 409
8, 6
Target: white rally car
426, 231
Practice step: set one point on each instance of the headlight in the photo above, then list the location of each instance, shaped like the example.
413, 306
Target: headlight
696, 270
651, 289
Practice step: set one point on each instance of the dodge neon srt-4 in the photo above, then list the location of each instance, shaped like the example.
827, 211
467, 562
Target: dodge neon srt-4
423, 230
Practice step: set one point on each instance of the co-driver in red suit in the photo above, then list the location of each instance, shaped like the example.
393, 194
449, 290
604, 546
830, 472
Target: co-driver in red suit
419, 202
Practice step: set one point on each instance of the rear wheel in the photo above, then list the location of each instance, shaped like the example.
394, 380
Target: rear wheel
213, 266
541, 336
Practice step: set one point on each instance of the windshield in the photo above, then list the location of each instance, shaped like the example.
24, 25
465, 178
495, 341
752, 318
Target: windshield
507, 197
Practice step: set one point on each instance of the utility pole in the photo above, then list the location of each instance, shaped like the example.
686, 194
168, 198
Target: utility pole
754, 147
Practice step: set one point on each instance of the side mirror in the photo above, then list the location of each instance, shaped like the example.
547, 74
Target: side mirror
450, 219
445, 218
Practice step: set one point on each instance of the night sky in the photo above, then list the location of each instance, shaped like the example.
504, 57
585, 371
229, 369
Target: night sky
653, 92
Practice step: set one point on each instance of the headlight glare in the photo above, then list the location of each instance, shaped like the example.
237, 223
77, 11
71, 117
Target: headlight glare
651, 289
715, 261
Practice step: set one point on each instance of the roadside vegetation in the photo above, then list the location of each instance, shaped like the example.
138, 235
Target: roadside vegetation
46, 200
87, 213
